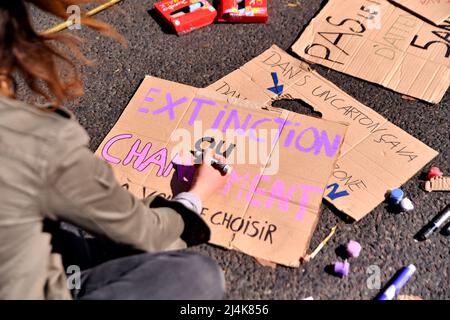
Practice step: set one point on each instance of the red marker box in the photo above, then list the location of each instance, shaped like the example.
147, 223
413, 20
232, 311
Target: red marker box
186, 15
244, 11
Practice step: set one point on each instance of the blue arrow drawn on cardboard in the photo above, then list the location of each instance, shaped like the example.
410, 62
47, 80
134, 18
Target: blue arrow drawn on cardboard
277, 89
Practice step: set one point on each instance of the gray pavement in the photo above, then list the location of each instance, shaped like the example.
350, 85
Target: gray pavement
206, 55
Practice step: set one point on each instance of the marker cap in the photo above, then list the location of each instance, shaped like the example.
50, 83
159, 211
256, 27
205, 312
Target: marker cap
342, 268
406, 205
447, 230
396, 196
434, 172
353, 249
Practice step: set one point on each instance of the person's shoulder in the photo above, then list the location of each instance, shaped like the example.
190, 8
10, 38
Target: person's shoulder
58, 126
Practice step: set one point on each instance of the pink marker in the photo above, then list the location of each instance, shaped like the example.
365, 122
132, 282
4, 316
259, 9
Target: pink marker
353, 249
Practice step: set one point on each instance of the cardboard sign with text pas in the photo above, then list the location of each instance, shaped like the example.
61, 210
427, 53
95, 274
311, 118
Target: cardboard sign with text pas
436, 11
376, 156
281, 164
381, 43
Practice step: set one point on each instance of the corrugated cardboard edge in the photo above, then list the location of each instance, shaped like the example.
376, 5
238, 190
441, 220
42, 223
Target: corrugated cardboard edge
438, 184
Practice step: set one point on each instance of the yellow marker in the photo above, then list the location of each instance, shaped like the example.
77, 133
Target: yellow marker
68, 23
323, 243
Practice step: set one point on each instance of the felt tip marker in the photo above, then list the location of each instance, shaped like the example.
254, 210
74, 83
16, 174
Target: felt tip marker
435, 224
222, 167
447, 230
398, 283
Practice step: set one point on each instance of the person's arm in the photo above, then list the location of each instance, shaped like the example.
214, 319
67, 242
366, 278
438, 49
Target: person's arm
190, 200
81, 188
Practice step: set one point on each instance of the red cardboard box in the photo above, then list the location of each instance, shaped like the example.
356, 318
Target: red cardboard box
243, 11
186, 15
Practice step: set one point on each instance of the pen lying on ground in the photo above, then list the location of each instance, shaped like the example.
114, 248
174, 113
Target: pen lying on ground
322, 244
435, 224
222, 167
398, 283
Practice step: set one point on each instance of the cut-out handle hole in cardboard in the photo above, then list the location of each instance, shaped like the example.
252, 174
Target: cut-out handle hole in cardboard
297, 106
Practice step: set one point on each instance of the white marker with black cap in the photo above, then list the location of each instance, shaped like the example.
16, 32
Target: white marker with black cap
435, 224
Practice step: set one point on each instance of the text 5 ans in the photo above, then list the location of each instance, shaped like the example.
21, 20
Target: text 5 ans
248, 309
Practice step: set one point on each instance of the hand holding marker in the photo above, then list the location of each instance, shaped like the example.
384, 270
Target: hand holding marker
447, 230
222, 167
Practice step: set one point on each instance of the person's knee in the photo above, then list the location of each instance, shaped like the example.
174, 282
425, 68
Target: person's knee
206, 274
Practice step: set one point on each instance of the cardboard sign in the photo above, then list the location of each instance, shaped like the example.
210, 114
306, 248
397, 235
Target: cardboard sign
245, 11
376, 156
436, 11
281, 164
186, 15
379, 42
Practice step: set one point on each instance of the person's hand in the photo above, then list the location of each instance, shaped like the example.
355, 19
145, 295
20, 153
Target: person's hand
208, 180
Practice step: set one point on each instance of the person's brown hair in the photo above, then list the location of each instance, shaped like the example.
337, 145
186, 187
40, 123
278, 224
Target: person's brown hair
35, 57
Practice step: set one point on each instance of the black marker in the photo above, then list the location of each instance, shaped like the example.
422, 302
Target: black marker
447, 230
222, 167
435, 224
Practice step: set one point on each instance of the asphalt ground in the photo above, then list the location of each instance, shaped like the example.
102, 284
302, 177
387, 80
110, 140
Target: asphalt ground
204, 56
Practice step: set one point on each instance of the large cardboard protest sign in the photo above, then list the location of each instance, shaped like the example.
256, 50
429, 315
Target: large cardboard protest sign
436, 11
270, 206
376, 156
382, 43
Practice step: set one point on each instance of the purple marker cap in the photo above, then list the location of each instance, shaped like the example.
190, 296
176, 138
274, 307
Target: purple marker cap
342, 268
353, 249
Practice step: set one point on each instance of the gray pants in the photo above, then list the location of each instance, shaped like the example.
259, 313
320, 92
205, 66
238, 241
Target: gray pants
170, 275
113, 271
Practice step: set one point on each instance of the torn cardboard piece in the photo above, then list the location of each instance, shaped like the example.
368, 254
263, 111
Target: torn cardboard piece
381, 43
377, 156
436, 11
438, 184
281, 164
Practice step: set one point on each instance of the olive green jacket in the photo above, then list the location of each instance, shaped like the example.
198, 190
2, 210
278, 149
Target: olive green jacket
47, 171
